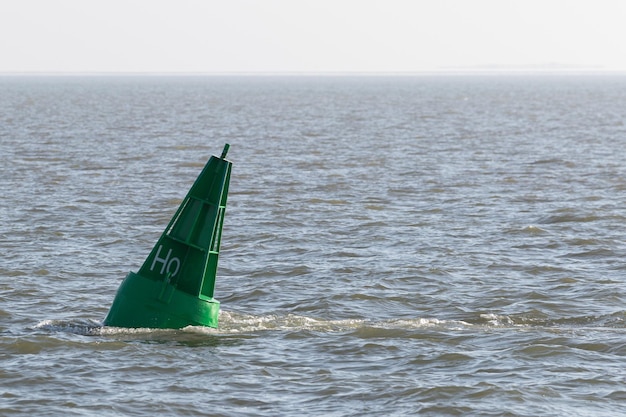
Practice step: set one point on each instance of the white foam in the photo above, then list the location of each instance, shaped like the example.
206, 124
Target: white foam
236, 323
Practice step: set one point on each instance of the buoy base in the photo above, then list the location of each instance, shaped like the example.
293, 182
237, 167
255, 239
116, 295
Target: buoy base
144, 302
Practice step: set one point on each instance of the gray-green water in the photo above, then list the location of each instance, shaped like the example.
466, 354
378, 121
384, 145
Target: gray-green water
392, 246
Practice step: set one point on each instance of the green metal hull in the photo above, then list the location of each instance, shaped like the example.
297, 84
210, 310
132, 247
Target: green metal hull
142, 302
175, 285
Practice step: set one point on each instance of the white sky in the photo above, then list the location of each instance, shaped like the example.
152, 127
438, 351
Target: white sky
225, 36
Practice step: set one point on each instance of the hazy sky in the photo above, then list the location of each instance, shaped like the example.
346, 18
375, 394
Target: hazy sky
309, 35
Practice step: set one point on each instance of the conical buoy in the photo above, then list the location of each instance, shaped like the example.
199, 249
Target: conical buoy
174, 287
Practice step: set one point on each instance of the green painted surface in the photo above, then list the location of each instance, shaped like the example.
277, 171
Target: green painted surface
174, 287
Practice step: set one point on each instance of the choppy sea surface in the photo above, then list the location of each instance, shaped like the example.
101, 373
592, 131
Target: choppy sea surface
429, 245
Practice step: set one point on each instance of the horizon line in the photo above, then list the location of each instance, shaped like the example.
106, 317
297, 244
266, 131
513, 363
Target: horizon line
443, 71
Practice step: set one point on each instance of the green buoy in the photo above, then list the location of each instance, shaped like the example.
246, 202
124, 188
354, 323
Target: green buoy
174, 287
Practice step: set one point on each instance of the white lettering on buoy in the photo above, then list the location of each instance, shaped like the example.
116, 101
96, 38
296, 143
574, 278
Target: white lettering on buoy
166, 263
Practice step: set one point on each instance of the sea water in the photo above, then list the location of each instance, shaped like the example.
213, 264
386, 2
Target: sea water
427, 245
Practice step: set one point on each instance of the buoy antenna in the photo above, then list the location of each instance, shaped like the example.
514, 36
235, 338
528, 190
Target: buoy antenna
225, 151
